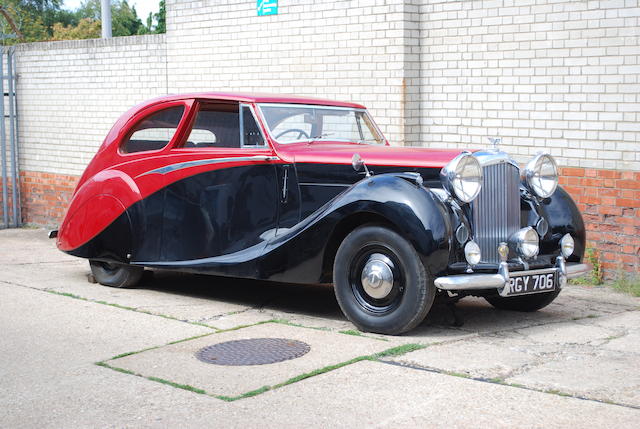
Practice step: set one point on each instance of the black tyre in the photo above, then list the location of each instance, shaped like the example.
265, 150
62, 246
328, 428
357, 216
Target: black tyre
523, 303
116, 275
380, 282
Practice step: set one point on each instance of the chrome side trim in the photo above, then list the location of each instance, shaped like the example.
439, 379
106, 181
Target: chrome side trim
181, 165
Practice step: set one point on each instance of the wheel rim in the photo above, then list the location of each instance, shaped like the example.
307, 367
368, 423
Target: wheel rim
108, 268
376, 279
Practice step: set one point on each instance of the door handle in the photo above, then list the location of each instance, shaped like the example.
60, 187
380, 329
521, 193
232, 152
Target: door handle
285, 183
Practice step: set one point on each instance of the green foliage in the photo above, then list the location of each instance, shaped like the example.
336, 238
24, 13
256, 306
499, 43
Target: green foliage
161, 18
42, 20
87, 28
627, 283
596, 277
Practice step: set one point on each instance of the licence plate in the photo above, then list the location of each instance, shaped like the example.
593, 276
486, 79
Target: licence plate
531, 283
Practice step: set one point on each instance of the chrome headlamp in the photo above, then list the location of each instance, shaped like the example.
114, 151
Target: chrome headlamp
541, 175
525, 242
462, 177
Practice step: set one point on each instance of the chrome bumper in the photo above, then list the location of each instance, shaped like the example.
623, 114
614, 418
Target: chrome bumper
500, 280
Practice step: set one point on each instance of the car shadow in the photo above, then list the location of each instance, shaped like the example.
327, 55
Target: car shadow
469, 314
309, 300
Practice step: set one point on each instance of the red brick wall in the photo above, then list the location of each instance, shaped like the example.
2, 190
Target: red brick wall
608, 199
45, 196
610, 203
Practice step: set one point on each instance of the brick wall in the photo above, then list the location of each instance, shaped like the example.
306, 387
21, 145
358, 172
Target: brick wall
45, 196
610, 203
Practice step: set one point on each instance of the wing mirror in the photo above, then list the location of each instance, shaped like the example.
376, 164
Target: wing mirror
358, 164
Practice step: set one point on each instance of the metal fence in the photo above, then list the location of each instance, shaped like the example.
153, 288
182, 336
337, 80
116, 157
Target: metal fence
9, 140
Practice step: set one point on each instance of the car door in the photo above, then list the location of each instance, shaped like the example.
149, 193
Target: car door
222, 196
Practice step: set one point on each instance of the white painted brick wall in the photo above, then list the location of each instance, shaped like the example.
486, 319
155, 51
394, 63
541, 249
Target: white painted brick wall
551, 75
71, 92
555, 75
350, 50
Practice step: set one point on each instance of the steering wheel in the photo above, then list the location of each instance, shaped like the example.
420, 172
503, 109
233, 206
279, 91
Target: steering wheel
301, 133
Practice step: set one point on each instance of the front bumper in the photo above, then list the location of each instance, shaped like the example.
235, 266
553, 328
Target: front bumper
500, 280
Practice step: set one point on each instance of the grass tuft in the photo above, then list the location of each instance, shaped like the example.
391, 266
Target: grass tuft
352, 332
397, 351
596, 277
178, 386
627, 283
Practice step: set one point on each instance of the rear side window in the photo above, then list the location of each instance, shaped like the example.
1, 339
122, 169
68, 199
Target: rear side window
155, 131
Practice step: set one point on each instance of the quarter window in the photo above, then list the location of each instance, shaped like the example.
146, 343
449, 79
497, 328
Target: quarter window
224, 125
155, 131
216, 125
251, 134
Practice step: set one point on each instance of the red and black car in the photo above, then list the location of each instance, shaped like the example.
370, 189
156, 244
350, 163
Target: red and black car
302, 190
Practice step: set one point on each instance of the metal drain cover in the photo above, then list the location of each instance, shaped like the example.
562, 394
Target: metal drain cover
256, 351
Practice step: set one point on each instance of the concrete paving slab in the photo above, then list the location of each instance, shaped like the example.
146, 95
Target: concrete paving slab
481, 317
106, 331
178, 364
372, 394
587, 372
566, 333
600, 294
485, 357
28, 246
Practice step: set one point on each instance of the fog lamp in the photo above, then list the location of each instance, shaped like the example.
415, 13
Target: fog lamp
472, 253
567, 245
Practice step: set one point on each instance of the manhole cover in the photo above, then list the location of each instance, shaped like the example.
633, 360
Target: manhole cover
257, 351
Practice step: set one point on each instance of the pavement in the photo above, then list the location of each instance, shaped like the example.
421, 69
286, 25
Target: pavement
77, 354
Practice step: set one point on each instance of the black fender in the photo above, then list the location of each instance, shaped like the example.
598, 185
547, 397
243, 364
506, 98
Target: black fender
563, 216
300, 254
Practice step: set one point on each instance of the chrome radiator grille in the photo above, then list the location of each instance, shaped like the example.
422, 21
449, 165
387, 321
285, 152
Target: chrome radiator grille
496, 210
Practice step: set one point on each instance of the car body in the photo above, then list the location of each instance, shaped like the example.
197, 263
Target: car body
301, 190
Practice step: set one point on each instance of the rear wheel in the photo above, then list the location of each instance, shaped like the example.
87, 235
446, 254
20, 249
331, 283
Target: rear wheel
380, 282
116, 275
523, 303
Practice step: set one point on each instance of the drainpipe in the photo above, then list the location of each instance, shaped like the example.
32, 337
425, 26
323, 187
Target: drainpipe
106, 19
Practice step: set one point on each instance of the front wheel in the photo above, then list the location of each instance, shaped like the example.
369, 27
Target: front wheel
526, 303
380, 282
116, 275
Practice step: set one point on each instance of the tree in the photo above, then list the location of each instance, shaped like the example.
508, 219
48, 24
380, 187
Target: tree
87, 28
161, 18
25, 18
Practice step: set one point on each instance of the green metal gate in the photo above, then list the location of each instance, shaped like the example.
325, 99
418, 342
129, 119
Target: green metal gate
9, 140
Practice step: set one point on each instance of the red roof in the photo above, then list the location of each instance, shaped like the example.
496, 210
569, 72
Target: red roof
256, 98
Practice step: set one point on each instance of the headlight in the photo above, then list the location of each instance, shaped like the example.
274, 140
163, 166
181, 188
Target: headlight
462, 177
525, 242
567, 245
541, 175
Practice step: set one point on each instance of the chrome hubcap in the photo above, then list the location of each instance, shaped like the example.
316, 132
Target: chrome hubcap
377, 276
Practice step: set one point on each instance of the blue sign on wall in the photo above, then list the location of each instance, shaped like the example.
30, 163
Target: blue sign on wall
267, 7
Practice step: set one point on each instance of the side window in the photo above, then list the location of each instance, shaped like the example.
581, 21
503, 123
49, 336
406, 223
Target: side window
155, 131
216, 125
251, 135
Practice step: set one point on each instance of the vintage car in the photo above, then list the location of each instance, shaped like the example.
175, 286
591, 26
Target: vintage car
301, 190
